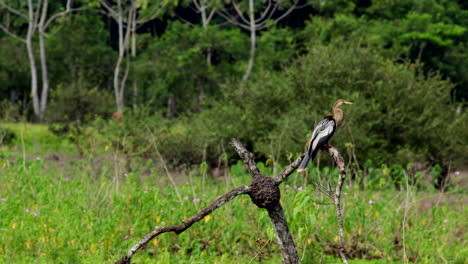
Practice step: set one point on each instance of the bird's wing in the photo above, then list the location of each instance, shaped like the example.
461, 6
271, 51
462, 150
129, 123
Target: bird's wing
322, 133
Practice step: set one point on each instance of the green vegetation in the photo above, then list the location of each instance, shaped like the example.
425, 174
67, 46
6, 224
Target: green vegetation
81, 163
62, 215
92, 209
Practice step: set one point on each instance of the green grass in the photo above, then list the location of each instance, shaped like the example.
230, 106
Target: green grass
83, 213
93, 208
34, 139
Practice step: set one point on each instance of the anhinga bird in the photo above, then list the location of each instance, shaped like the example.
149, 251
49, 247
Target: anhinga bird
322, 133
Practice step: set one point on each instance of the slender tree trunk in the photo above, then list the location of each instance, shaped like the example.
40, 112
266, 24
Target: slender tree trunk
32, 61
205, 23
118, 100
44, 69
119, 82
135, 83
252, 40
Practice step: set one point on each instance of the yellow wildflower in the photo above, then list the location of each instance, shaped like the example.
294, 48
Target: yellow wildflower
28, 244
309, 241
93, 248
106, 148
155, 242
14, 225
208, 218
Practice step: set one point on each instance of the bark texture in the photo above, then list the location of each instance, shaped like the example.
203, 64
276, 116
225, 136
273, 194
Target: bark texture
280, 225
339, 161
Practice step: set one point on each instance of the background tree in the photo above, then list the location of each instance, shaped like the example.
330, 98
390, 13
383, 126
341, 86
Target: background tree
36, 19
237, 13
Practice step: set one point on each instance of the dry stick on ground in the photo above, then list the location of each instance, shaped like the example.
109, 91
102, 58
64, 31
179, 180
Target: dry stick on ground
264, 193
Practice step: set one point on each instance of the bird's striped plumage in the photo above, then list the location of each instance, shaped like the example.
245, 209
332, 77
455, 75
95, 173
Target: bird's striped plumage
322, 133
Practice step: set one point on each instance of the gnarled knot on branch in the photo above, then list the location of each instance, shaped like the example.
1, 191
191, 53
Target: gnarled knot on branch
265, 192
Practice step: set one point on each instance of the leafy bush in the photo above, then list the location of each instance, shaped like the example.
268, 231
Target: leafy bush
7, 136
78, 104
398, 116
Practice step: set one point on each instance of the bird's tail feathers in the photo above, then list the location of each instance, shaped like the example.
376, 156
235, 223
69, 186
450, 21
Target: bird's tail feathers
308, 157
314, 153
304, 162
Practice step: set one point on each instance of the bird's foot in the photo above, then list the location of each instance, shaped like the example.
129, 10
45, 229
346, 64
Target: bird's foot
326, 146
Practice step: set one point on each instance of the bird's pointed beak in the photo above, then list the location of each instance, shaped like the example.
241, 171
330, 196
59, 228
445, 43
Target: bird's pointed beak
346, 102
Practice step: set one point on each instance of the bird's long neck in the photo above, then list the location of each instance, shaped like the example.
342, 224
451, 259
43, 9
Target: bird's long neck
337, 114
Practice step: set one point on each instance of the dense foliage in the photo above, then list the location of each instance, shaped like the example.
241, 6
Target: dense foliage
403, 63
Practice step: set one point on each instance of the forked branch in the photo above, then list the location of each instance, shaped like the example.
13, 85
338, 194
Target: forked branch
265, 193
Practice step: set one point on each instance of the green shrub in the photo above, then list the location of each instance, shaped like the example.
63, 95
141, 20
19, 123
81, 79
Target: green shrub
7, 136
78, 104
398, 115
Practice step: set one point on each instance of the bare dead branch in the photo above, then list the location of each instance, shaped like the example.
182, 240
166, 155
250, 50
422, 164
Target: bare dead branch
339, 161
288, 170
247, 156
265, 193
186, 223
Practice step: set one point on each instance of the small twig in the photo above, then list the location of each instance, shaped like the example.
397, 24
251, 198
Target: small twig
186, 223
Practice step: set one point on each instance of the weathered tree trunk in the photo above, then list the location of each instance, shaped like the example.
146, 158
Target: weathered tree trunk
252, 40
285, 240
